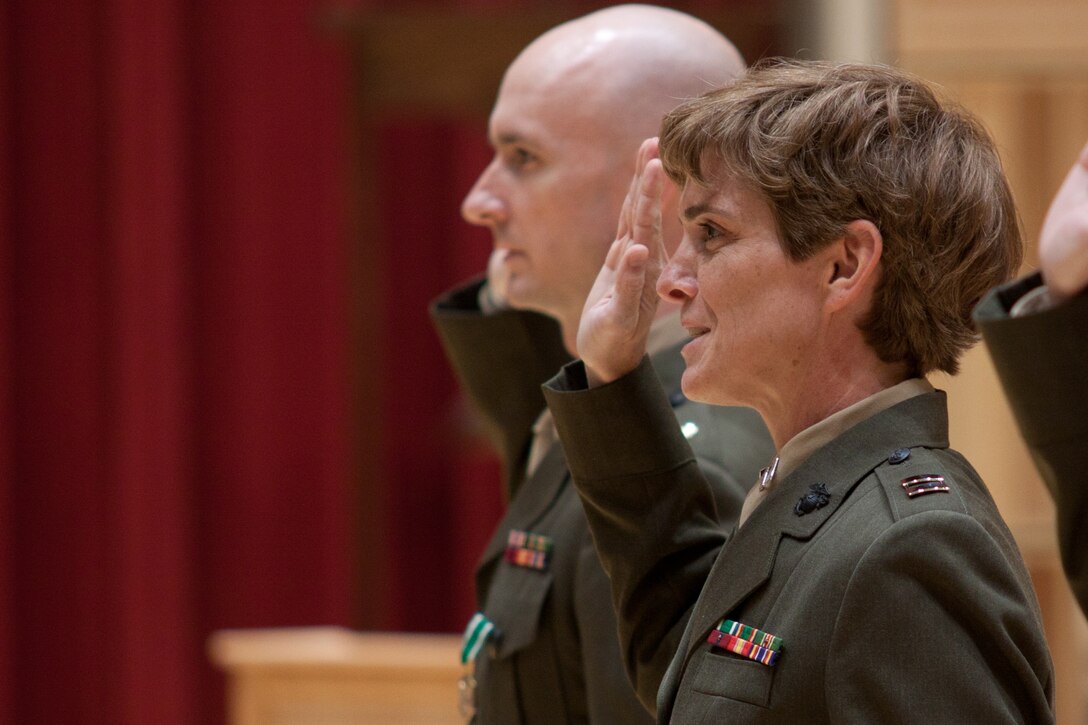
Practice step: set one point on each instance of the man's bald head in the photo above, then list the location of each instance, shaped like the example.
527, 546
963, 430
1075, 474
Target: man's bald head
628, 65
572, 110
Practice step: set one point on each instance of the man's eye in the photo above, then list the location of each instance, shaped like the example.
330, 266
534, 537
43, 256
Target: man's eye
520, 158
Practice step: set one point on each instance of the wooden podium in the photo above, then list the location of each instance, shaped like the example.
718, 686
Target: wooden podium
334, 676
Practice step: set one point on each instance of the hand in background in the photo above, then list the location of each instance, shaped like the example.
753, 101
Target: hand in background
621, 305
1063, 242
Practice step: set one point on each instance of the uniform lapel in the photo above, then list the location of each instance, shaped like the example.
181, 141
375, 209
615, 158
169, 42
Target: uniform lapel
747, 560
533, 498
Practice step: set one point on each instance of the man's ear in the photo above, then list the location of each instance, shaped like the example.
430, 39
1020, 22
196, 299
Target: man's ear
853, 264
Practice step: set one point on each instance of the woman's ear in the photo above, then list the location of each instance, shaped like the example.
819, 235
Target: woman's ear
853, 264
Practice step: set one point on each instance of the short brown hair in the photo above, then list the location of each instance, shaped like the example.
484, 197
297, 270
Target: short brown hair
826, 144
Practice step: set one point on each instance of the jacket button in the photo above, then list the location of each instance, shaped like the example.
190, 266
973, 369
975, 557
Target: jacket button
899, 455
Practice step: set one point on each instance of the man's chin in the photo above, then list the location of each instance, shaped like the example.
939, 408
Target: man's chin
521, 295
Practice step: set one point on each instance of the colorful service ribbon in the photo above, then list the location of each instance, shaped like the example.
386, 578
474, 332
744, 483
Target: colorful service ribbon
746, 641
529, 550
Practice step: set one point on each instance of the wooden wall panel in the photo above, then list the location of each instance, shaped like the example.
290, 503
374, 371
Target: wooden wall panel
1000, 38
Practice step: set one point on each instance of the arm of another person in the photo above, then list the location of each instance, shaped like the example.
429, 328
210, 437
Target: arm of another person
649, 506
1041, 356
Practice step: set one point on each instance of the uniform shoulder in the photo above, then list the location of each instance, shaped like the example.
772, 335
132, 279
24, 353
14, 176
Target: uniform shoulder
919, 480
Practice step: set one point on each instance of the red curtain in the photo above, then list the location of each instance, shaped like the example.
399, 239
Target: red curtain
175, 377
442, 488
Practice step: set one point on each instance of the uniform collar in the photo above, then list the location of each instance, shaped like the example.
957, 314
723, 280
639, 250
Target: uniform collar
797, 449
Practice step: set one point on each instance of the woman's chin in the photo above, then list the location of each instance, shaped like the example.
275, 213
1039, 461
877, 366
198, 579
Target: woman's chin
692, 384
697, 387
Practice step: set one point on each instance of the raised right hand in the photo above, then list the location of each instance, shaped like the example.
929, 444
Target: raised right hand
621, 305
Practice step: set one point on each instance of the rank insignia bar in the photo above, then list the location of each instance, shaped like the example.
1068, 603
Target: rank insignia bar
529, 550
746, 641
926, 483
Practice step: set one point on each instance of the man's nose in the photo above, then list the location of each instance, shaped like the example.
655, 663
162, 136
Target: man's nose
483, 205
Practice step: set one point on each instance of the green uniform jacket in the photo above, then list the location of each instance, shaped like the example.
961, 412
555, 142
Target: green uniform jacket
1042, 360
890, 609
557, 659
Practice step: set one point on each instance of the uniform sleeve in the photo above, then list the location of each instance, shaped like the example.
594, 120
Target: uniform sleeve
935, 626
1042, 361
650, 509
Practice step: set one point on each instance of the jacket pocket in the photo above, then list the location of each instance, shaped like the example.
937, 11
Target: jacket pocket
515, 604
723, 674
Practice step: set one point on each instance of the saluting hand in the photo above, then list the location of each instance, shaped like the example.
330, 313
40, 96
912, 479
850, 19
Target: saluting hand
621, 305
1063, 242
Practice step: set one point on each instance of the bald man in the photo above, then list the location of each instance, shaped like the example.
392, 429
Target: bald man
570, 115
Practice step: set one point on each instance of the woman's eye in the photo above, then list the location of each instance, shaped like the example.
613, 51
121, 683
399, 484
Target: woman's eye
712, 237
